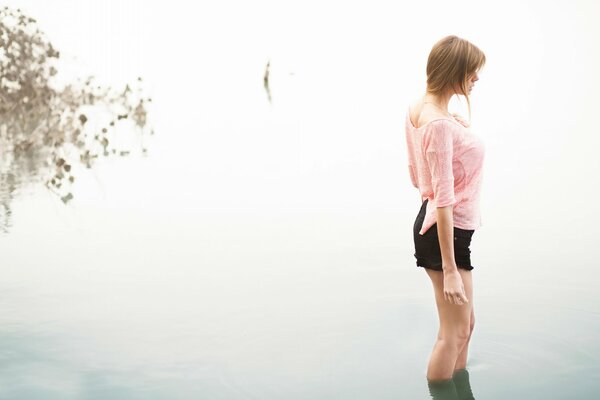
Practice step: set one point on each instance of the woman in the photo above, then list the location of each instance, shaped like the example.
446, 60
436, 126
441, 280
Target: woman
445, 164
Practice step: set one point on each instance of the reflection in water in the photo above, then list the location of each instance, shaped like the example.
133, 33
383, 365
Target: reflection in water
266, 80
457, 388
46, 126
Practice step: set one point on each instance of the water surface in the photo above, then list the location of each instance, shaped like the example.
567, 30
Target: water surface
263, 250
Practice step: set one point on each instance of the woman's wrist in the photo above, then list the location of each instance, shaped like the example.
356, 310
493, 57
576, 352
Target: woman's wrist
448, 268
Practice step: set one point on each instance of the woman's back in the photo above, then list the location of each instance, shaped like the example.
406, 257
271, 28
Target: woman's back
422, 113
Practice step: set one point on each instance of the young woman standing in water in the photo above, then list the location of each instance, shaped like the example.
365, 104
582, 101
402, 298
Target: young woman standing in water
445, 164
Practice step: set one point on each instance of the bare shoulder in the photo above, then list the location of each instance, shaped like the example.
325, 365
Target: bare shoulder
423, 113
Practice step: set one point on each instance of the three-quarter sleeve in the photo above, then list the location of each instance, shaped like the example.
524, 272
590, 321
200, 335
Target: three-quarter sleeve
413, 176
438, 154
411, 160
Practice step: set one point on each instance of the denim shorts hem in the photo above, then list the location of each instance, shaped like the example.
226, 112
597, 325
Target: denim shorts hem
439, 267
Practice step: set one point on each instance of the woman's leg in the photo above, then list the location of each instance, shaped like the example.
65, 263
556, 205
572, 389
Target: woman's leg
461, 362
454, 331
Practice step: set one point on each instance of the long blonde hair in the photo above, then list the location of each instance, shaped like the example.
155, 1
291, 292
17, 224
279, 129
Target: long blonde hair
451, 63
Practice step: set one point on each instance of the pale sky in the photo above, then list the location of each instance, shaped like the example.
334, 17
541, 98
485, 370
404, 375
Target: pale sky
342, 74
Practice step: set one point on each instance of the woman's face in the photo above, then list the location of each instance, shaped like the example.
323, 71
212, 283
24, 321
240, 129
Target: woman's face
471, 81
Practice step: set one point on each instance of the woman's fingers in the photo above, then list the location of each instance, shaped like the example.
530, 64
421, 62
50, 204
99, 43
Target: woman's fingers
462, 296
455, 294
456, 298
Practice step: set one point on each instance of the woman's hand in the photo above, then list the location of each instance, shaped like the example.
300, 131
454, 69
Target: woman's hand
454, 291
461, 120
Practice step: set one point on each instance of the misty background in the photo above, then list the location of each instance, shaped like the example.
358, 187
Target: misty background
262, 249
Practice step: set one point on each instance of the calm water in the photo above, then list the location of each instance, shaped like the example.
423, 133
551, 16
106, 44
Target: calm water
264, 250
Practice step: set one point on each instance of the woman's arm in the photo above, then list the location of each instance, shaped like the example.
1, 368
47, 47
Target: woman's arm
445, 227
454, 289
439, 154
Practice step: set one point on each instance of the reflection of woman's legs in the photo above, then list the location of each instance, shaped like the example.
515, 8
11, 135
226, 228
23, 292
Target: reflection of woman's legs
454, 330
463, 385
443, 390
457, 388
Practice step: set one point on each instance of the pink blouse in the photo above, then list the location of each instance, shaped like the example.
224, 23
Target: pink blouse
445, 162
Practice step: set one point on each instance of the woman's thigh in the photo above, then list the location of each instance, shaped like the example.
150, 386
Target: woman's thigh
455, 319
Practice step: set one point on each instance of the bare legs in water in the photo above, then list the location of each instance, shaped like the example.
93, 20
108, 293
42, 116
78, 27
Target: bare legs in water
456, 325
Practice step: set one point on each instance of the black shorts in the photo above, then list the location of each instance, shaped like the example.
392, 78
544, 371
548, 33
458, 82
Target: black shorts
427, 246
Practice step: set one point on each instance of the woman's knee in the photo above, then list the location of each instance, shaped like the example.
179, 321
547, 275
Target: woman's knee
461, 331
456, 340
458, 334
463, 334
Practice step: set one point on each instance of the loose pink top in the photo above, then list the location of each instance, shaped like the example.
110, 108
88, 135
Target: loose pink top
445, 162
